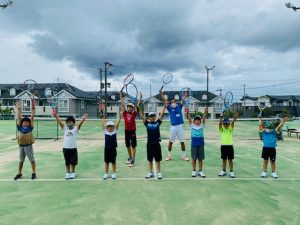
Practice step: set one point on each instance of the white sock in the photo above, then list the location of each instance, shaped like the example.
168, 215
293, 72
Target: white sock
183, 154
169, 153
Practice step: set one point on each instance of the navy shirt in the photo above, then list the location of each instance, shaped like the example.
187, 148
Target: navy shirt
110, 139
153, 131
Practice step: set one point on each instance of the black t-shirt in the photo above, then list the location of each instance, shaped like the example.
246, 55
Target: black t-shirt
153, 131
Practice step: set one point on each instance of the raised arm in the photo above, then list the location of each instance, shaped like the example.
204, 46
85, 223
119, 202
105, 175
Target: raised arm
162, 111
220, 121
140, 110
103, 122
32, 112
118, 121
204, 115
163, 97
122, 102
189, 117
183, 98
61, 124
18, 109
281, 124
85, 116
139, 101
236, 115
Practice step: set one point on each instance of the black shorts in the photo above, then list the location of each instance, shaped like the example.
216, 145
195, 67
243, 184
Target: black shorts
71, 156
130, 138
269, 153
154, 151
110, 155
227, 152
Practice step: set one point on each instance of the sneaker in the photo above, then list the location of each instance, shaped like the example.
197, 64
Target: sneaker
19, 175
114, 176
149, 175
105, 176
185, 158
159, 176
194, 174
68, 176
128, 161
274, 175
131, 164
201, 174
222, 173
231, 174
168, 158
264, 174
72, 175
33, 176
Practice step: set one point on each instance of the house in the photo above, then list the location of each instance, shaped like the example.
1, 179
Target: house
279, 104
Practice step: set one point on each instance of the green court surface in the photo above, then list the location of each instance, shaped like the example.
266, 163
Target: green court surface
131, 199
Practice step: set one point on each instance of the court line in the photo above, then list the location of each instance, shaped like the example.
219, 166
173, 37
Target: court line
144, 179
288, 159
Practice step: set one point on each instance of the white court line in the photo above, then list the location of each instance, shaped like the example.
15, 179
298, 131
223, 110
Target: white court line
288, 159
144, 179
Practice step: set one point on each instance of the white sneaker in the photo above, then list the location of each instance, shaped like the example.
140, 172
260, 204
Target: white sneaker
201, 174
159, 176
105, 176
68, 176
194, 174
231, 174
114, 176
149, 175
128, 161
222, 173
72, 175
274, 175
264, 174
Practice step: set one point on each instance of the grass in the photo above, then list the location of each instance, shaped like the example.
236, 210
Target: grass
177, 199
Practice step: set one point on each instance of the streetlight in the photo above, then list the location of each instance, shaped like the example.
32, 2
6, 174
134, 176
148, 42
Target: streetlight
291, 6
207, 73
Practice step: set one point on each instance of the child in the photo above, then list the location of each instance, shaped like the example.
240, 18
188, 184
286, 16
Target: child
70, 143
269, 133
197, 142
227, 152
153, 139
25, 140
130, 130
110, 149
176, 129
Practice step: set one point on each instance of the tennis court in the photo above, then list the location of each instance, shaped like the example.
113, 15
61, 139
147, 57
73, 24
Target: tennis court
131, 199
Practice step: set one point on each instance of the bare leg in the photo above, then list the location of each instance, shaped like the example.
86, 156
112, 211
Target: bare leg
114, 167
33, 166
170, 146
265, 165
150, 166
133, 151
73, 168
224, 164
106, 167
230, 164
194, 164
20, 167
273, 166
182, 146
200, 162
129, 152
68, 168
158, 166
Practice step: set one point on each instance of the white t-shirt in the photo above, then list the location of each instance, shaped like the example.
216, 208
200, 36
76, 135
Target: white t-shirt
70, 137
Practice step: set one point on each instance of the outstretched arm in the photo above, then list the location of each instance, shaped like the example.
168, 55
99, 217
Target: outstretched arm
103, 122
260, 124
142, 114
85, 116
281, 124
162, 111
18, 109
163, 97
183, 98
118, 121
189, 117
122, 102
32, 112
220, 121
61, 124
234, 119
139, 101
205, 115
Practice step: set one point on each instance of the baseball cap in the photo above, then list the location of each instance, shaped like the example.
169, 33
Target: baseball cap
152, 114
110, 123
130, 104
268, 125
197, 117
226, 121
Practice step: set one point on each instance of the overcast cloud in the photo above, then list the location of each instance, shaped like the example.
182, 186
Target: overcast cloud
250, 42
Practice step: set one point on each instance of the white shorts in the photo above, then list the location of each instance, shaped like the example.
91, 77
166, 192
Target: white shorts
176, 131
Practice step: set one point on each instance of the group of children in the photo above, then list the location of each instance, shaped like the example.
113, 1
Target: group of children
152, 123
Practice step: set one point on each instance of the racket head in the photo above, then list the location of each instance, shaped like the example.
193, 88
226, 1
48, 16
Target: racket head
132, 92
186, 91
51, 97
167, 78
127, 80
31, 87
263, 102
228, 99
100, 99
10, 3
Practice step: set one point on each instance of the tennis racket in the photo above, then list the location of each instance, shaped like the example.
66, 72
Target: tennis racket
187, 92
262, 103
100, 98
228, 100
31, 87
166, 79
132, 93
52, 98
127, 80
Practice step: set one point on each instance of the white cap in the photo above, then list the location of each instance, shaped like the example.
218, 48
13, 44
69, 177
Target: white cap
152, 114
130, 104
110, 123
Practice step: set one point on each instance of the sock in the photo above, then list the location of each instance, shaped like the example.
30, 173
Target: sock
231, 170
224, 170
169, 153
183, 154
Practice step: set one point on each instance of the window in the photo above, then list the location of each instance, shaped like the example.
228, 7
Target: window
26, 106
82, 104
63, 105
204, 97
176, 97
151, 107
12, 92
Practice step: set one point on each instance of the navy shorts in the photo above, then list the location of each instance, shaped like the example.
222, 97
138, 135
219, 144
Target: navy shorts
71, 156
197, 152
110, 155
227, 152
154, 152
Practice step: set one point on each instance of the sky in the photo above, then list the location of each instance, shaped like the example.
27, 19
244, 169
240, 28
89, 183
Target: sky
252, 43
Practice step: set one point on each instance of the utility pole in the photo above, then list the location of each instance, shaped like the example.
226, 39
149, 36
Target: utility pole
220, 89
107, 65
244, 102
207, 75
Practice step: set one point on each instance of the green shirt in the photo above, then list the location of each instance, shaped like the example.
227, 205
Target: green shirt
226, 135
